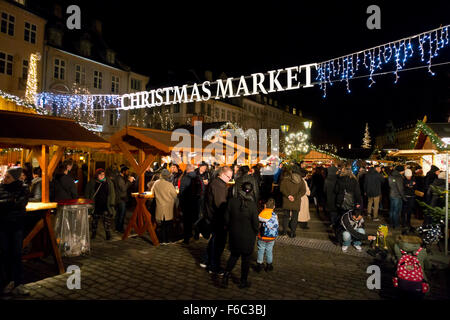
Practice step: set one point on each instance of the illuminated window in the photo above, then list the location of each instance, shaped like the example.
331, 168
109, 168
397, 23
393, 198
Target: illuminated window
223, 115
7, 24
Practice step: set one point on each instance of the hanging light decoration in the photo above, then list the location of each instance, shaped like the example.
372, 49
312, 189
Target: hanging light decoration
32, 78
429, 44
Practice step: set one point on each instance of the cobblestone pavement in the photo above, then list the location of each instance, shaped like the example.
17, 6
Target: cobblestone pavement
304, 268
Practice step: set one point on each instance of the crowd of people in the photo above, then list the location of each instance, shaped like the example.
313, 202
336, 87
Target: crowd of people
236, 205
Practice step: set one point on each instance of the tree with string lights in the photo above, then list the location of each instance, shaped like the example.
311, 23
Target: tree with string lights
366, 139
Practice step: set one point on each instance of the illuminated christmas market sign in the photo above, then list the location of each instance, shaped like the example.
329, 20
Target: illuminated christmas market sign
257, 83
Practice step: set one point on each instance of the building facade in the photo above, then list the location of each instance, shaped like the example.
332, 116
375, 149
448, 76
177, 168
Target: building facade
21, 34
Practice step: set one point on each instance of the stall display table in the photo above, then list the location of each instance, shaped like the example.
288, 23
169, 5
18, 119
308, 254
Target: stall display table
44, 224
72, 227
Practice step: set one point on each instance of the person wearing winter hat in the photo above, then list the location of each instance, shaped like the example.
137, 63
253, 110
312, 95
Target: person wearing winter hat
409, 184
165, 195
13, 201
102, 191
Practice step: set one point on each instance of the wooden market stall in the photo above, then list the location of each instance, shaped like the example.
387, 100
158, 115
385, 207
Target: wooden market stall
431, 146
37, 133
147, 145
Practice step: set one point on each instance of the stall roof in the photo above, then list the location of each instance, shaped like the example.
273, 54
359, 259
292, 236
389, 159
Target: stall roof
29, 130
152, 140
413, 153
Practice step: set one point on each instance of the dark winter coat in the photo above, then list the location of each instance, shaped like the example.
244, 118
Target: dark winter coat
396, 185
350, 185
429, 178
435, 196
329, 189
216, 203
372, 183
241, 219
350, 225
110, 195
409, 187
292, 185
188, 199
174, 178
65, 188
121, 188
36, 190
243, 179
13, 202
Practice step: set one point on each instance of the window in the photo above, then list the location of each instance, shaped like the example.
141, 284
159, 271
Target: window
190, 107
223, 115
209, 110
80, 74
110, 56
217, 113
294, 111
113, 117
176, 108
98, 76
25, 70
135, 84
98, 114
7, 24
59, 69
202, 108
229, 115
115, 84
30, 32
6, 63
234, 117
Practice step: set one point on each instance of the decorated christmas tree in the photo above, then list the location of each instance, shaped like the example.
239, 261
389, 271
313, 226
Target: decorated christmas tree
366, 139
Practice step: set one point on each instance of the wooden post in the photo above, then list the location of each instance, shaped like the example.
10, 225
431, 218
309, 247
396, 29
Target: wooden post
45, 181
89, 166
22, 163
142, 175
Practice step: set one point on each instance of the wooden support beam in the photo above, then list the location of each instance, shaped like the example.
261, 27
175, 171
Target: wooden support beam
144, 165
45, 181
128, 155
142, 172
57, 156
29, 155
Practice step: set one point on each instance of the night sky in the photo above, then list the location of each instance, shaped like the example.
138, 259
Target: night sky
167, 39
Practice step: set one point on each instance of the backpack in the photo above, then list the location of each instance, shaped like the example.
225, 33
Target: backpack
409, 274
347, 203
270, 228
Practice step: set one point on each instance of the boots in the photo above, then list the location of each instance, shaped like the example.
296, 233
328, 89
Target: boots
269, 267
304, 225
259, 267
225, 278
244, 284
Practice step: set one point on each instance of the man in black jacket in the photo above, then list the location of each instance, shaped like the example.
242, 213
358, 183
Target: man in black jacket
372, 188
215, 206
189, 196
121, 184
13, 201
429, 178
352, 224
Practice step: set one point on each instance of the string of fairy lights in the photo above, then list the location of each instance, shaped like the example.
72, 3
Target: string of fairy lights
425, 45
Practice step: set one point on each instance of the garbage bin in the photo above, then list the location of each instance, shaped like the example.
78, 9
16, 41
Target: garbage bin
72, 227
